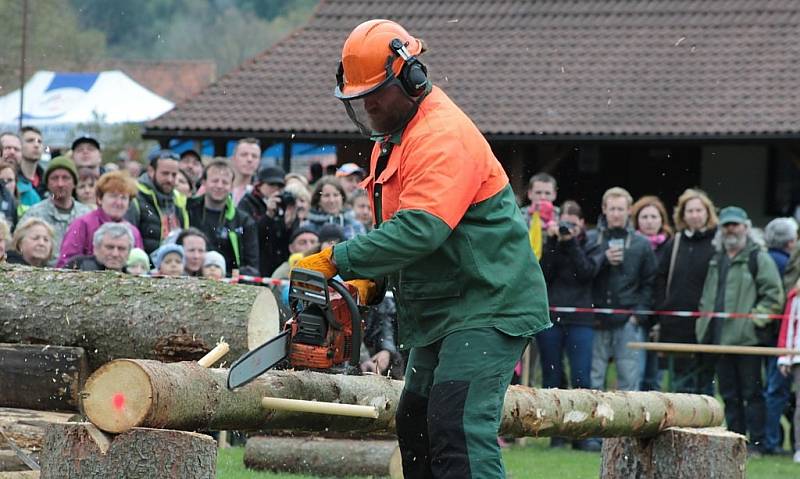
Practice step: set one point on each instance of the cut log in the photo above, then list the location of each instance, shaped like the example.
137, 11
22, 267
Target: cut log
139, 393
20, 475
113, 315
132, 393
324, 457
26, 428
580, 413
676, 453
79, 450
43, 377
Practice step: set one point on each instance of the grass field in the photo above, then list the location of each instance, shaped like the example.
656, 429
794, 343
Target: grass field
535, 461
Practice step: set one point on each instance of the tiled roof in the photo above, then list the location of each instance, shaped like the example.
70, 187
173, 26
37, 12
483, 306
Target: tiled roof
646, 68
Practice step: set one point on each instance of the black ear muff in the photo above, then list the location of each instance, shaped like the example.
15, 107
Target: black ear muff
413, 75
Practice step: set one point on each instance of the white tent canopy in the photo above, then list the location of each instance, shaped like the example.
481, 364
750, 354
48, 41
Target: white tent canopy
57, 102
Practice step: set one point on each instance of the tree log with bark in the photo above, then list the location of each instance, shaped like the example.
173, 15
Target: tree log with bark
80, 450
677, 453
323, 456
114, 315
43, 377
139, 393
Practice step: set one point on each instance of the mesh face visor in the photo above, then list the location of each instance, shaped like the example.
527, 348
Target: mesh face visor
381, 110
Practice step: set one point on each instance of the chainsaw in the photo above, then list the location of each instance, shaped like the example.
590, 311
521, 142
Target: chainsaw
323, 334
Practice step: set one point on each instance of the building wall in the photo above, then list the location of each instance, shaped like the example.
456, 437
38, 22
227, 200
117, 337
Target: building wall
737, 175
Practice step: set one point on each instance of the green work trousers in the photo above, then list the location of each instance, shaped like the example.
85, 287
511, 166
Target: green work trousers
451, 406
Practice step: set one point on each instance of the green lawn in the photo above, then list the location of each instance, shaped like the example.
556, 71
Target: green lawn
534, 461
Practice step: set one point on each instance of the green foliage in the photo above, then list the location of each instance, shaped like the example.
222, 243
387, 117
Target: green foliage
55, 40
227, 31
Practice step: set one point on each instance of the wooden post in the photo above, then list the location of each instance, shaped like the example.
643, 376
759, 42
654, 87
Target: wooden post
39, 376
80, 450
677, 453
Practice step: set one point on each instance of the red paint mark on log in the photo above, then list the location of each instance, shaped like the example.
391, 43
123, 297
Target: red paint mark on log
118, 400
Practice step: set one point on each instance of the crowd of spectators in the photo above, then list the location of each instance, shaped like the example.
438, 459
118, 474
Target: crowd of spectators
179, 215
644, 266
185, 215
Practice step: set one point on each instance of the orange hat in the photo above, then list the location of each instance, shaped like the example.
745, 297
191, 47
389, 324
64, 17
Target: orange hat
366, 55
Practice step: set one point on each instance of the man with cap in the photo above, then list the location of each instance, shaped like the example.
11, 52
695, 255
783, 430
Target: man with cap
350, 175
86, 153
192, 164
444, 206
303, 240
61, 208
741, 278
275, 214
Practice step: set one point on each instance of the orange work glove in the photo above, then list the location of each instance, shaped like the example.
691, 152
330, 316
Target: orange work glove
367, 289
322, 262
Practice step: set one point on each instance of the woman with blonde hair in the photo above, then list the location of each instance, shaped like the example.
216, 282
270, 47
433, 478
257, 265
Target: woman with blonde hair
114, 190
32, 243
682, 273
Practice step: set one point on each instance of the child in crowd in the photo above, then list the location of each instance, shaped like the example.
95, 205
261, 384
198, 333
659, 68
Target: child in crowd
169, 260
138, 262
214, 266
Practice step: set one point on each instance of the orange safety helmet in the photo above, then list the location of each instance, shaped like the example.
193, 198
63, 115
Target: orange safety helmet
368, 61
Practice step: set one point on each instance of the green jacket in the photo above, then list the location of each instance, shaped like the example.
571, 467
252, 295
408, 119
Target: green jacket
742, 296
451, 235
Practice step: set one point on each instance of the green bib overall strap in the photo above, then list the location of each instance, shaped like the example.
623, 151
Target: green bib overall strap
380, 165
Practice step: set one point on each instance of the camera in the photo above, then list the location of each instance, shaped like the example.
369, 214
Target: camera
285, 200
565, 227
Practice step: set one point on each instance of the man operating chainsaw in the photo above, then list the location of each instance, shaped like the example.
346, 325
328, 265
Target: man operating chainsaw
453, 243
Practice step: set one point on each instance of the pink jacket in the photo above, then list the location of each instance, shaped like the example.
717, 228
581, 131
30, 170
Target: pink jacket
790, 329
78, 238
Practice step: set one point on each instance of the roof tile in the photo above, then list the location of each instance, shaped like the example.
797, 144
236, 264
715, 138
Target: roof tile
546, 67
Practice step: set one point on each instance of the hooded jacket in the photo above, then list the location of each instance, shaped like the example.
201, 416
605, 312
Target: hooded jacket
743, 294
148, 208
230, 232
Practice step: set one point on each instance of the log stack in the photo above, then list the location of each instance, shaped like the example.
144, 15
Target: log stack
113, 315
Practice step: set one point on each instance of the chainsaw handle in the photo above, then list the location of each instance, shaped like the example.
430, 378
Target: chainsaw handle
355, 317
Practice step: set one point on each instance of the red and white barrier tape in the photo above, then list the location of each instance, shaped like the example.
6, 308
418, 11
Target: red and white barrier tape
683, 314
564, 309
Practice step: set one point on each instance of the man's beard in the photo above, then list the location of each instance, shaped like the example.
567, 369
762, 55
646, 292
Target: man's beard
733, 241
